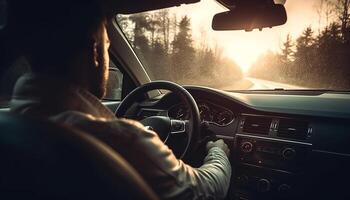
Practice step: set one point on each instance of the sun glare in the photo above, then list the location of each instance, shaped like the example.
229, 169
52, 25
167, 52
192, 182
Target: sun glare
244, 52
245, 47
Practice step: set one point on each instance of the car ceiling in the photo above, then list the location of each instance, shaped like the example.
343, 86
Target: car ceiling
134, 6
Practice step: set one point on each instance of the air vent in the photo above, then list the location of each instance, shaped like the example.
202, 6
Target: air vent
257, 125
294, 129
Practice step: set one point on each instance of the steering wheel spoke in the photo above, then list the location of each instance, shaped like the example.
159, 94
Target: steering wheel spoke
178, 126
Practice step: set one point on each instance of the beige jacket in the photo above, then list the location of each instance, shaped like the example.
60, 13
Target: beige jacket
142, 148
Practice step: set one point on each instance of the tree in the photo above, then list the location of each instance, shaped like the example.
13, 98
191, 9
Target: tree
164, 28
183, 50
304, 55
267, 66
329, 40
304, 45
321, 60
342, 8
324, 10
141, 25
286, 57
287, 51
160, 62
123, 22
305, 40
166, 49
206, 62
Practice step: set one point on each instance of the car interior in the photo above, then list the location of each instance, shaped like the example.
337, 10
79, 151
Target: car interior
285, 142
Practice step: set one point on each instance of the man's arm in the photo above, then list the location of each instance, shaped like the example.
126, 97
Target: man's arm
217, 163
169, 177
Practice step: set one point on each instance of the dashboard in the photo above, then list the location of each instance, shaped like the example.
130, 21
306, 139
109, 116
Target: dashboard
284, 144
209, 112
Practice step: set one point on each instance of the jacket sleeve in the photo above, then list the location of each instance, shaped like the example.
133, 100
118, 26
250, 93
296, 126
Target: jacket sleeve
168, 176
172, 178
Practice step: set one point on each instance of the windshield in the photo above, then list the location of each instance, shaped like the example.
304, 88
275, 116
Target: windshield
310, 51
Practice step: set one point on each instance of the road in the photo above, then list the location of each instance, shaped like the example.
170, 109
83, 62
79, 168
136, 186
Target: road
259, 84
249, 83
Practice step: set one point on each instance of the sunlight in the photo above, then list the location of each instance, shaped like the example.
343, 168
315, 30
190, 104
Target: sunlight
183, 39
245, 47
245, 52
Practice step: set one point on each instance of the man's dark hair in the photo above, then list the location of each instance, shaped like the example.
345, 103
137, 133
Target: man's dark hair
51, 32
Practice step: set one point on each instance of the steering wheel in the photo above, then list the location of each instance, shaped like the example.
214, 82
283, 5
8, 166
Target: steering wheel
179, 135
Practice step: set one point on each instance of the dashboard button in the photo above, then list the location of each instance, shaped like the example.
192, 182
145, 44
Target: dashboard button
263, 185
288, 153
243, 180
247, 147
284, 188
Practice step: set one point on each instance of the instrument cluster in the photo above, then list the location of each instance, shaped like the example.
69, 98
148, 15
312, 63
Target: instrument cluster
209, 112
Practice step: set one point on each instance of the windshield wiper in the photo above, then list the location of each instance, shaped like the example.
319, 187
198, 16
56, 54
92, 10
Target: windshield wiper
292, 91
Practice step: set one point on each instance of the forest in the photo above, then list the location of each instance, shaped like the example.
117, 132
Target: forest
315, 59
165, 45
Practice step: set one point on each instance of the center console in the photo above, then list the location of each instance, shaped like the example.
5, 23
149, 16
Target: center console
269, 157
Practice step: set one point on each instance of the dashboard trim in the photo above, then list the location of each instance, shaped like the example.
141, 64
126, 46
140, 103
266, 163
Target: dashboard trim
225, 137
250, 100
266, 168
273, 139
331, 152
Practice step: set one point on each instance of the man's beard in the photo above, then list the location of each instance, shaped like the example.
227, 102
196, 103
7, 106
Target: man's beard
100, 91
99, 80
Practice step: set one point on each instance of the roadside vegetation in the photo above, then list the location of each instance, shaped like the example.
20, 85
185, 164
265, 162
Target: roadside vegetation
164, 44
317, 58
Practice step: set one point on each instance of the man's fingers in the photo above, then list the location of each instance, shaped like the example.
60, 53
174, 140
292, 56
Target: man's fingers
219, 143
209, 145
228, 152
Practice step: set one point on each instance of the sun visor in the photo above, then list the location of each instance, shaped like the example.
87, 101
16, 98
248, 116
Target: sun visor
135, 6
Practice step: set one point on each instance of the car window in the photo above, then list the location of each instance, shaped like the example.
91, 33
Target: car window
114, 84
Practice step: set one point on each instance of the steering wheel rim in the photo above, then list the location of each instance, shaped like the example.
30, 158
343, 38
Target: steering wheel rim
186, 98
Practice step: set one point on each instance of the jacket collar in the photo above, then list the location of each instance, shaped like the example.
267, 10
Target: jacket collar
45, 96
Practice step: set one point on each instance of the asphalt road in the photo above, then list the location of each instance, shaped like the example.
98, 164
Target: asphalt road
248, 83
259, 84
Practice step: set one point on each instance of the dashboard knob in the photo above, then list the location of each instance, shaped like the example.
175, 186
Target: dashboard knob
243, 180
288, 153
263, 185
284, 189
247, 147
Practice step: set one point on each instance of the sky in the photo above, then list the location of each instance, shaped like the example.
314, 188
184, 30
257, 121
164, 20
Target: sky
245, 47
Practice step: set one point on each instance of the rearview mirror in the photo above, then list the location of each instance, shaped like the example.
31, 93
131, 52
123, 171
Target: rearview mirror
249, 18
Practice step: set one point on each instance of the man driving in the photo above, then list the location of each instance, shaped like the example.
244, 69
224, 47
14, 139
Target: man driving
66, 45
